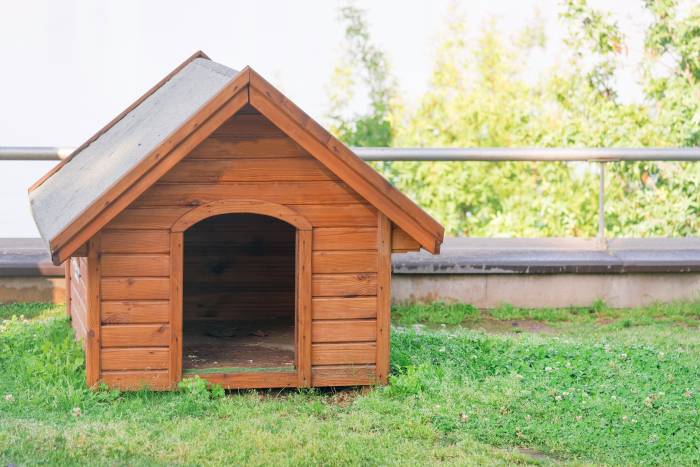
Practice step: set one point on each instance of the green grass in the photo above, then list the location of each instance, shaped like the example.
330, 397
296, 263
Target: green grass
605, 387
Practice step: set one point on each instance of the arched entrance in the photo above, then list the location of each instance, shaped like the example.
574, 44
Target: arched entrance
238, 294
241, 294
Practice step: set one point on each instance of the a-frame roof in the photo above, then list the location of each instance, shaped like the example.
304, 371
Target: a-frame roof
104, 175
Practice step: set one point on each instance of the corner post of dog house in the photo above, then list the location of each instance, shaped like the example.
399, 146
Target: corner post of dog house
94, 321
67, 275
176, 275
303, 297
383, 297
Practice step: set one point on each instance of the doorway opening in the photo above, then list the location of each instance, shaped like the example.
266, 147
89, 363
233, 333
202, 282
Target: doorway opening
239, 295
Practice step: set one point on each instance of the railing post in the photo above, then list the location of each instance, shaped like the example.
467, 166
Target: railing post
602, 242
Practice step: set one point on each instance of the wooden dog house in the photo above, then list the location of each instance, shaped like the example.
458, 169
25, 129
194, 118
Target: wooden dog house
214, 229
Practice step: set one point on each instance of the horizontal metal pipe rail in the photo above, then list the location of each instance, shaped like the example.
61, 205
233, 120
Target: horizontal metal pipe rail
443, 154
599, 155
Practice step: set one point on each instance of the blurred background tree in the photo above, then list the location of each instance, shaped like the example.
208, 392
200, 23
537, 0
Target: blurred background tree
478, 97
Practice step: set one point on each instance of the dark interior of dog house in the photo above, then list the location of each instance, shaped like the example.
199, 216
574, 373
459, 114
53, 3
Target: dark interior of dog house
239, 294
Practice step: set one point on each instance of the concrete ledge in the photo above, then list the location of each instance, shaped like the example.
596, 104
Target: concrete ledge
554, 256
483, 272
26, 257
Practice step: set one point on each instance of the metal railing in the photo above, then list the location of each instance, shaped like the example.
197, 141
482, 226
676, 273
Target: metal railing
597, 155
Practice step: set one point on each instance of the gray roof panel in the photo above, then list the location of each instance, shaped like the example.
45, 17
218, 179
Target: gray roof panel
89, 174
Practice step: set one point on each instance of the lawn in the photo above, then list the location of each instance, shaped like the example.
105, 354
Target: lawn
579, 386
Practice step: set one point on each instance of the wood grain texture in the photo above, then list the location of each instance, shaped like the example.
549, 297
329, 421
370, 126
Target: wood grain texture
145, 265
136, 335
358, 330
156, 380
344, 285
384, 247
135, 358
67, 274
402, 242
224, 147
249, 170
345, 238
241, 206
344, 375
78, 298
344, 308
194, 194
253, 380
158, 218
349, 215
344, 261
94, 294
303, 306
140, 241
135, 312
176, 306
135, 288
346, 353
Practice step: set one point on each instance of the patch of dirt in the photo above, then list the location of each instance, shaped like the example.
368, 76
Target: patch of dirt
344, 397
512, 326
238, 344
537, 455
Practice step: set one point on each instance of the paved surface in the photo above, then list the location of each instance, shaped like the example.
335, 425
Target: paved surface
554, 256
21, 257
26, 257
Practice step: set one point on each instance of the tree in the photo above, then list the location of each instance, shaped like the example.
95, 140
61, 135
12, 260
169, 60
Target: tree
362, 64
477, 98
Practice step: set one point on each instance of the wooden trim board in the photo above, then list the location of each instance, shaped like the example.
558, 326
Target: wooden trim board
94, 326
383, 297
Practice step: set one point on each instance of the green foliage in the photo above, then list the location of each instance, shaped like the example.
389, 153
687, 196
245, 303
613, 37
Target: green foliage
625, 392
434, 313
362, 65
478, 97
198, 389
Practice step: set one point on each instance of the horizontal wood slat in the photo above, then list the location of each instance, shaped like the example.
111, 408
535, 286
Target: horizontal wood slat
344, 285
135, 312
349, 215
249, 170
135, 335
344, 353
344, 261
276, 192
345, 238
358, 330
344, 308
115, 265
249, 126
129, 241
147, 218
135, 288
139, 358
224, 147
134, 380
253, 380
401, 241
344, 375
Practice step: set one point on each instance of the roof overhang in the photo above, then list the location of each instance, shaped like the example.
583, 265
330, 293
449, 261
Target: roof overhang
247, 87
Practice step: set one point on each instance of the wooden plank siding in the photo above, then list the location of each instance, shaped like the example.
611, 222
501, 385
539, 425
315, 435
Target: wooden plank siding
246, 158
77, 292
